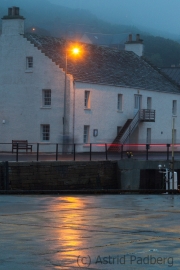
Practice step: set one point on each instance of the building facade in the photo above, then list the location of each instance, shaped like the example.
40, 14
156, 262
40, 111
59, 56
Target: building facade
47, 96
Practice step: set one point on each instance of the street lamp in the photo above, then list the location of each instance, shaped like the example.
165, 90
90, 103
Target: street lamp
73, 51
173, 122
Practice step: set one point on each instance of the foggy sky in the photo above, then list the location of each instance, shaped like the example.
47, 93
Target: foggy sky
148, 15
159, 15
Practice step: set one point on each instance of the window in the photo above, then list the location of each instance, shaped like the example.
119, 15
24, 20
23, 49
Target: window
87, 99
45, 132
46, 97
149, 102
86, 134
174, 107
118, 129
137, 102
29, 62
119, 102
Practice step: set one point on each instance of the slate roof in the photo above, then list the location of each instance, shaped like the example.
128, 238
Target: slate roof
103, 65
173, 73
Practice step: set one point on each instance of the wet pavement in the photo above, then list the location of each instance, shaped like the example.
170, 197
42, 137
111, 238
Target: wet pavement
8, 156
89, 232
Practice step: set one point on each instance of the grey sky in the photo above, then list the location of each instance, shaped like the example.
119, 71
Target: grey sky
149, 15
158, 15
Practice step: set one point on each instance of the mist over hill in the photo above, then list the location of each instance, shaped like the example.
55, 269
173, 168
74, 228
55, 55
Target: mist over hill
60, 20
49, 18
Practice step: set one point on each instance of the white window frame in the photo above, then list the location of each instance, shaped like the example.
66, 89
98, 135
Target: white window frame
137, 102
46, 97
87, 104
86, 134
174, 107
29, 62
45, 132
119, 102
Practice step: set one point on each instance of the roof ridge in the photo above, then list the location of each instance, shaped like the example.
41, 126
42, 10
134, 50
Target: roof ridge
159, 70
105, 65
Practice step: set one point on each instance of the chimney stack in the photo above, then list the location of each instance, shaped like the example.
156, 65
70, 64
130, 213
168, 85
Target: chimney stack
14, 11
130, 37
135, 46
13, 23
138, 37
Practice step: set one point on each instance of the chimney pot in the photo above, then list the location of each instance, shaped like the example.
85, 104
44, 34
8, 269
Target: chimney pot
9, 11
14, 11
137, 37
130, 37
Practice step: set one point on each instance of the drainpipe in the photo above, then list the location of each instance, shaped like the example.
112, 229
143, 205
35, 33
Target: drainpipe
73, 110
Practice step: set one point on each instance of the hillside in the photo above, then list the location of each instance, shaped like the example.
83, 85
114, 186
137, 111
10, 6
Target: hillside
161, 52
50, 19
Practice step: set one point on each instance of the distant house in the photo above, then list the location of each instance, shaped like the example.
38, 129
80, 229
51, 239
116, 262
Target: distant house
104, 92
173, 73
110, 40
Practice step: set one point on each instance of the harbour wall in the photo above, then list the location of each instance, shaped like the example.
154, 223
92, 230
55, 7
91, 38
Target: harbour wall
58, 175
125, 174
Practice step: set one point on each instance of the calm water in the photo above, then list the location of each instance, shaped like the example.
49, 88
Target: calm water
90, 232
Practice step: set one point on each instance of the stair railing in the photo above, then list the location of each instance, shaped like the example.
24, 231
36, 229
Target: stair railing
134, 123
147, 115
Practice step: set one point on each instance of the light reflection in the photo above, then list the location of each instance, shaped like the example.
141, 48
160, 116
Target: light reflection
71, 239
68, 203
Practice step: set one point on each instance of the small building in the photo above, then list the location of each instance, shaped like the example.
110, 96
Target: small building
110, 40
173, 73
49, 96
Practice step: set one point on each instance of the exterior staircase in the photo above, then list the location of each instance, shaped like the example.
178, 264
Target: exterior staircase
130, 126
115, 145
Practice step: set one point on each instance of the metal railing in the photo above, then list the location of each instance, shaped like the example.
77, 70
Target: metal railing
130, 129
147, 115
91, 151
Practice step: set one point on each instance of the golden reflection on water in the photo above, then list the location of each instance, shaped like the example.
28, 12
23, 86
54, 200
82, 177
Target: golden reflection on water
66, 203
70, 238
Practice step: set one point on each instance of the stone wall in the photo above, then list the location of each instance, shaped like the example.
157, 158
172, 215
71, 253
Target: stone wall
88, 175
59, 175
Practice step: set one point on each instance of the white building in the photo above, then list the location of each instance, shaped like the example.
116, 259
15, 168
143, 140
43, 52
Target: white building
105, 87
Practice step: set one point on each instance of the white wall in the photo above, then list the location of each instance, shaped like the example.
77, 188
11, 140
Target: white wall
21, 101
137, 48
13, 26
105, 117
21, 92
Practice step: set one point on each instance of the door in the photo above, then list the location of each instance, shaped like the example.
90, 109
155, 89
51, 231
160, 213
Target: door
137, 103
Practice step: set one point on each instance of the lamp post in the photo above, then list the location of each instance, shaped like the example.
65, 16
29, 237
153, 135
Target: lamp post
173, 121
74, 51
